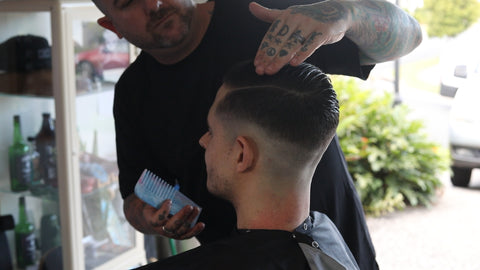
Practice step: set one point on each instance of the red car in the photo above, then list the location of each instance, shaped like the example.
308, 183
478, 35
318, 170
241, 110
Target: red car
96, 64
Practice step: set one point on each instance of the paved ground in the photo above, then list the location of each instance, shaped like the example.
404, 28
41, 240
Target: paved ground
445, 236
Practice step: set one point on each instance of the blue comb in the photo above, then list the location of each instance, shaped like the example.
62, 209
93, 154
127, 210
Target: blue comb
154, 191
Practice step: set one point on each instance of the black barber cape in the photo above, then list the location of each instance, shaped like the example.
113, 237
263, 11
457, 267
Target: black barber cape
315, 244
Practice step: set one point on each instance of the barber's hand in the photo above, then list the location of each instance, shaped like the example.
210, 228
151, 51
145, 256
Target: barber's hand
177, 226
297, 32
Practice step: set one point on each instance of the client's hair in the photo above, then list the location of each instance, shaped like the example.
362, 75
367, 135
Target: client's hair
297, 105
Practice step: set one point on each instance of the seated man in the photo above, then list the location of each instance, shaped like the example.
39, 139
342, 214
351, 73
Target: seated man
266, 136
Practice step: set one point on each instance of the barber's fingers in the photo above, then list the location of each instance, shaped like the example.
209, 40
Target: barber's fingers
179, 226
198, 228
184, 226
156, 218
262, 13
296, 33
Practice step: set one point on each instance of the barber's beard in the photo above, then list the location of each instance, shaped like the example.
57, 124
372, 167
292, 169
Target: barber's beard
172, 31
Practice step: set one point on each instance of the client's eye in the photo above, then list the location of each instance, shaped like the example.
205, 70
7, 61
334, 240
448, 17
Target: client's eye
124, 4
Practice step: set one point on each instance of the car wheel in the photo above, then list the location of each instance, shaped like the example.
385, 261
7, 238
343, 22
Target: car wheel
461, 176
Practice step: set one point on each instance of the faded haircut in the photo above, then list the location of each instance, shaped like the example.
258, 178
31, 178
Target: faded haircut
297, 105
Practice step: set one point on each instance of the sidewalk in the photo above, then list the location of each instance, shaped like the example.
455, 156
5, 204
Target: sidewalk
443, 237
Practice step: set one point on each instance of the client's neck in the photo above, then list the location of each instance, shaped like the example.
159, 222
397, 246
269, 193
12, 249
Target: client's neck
273, 210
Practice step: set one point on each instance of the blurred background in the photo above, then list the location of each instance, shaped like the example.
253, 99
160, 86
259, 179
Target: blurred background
416, 162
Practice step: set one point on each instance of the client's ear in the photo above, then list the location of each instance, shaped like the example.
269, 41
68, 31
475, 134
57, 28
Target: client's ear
106, 23
246, 152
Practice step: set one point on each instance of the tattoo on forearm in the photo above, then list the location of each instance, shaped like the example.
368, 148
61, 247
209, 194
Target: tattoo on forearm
330, 12
383, 32
372, 5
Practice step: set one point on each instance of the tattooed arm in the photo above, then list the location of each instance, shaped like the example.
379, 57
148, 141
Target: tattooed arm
380, 29
150, 220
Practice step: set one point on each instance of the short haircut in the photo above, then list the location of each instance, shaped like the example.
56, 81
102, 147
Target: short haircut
297, 105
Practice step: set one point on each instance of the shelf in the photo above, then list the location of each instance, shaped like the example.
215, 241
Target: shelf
45, 193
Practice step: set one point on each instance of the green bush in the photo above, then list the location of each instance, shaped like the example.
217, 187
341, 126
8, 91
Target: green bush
391, 159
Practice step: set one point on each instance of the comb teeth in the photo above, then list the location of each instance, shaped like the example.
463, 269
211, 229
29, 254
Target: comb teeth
154, 190
156, 185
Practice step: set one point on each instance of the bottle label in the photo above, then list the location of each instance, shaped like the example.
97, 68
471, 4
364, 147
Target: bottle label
48, 163
23, 169
26, 249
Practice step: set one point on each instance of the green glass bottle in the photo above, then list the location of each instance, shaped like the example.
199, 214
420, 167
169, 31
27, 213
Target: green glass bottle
19, 159
25, 248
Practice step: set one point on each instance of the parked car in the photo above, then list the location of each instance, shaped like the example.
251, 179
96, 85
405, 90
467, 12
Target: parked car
464, 132
456, 71
460, 61
95, 64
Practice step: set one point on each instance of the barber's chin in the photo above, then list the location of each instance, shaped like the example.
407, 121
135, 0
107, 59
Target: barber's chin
169, 40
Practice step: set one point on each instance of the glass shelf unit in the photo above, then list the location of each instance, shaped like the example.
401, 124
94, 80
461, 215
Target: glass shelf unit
55, 59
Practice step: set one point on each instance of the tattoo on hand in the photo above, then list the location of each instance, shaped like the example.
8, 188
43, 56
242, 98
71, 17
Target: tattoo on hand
285, 29
162, 216
274, 26
264, 45
283, 53
178, 223
309, 41
271, 51
329, 12
289, 45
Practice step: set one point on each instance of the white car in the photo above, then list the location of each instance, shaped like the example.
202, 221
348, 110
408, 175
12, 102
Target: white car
460, 61
464, 131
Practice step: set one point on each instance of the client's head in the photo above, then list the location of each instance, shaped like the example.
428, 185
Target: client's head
274, 128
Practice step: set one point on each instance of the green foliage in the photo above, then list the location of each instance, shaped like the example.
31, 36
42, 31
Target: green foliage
447, 17
392, 161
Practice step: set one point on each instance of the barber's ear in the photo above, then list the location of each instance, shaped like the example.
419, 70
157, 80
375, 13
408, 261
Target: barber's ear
107, 24
247, 154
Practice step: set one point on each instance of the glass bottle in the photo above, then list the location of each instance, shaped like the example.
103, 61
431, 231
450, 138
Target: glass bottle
36, 186
49, 233
19, 159
24, 238
45, 142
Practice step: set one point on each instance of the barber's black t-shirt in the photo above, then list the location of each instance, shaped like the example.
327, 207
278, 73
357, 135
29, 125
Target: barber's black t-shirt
160, 113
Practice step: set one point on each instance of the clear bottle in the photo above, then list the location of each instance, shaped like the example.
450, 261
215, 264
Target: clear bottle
25, 249
19, 159
45, 142
37, 184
